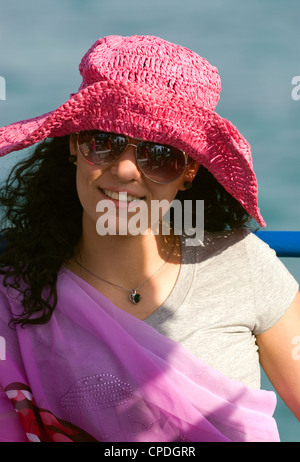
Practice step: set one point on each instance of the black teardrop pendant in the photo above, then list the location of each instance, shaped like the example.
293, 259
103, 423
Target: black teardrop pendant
134, 297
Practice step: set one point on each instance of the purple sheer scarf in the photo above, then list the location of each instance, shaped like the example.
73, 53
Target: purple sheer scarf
96, 373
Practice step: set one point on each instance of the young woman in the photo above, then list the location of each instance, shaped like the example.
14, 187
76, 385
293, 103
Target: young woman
129, 333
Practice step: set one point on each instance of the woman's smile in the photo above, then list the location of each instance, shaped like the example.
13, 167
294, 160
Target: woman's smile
122, 196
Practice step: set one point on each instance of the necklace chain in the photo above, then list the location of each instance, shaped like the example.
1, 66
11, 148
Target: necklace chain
134, 297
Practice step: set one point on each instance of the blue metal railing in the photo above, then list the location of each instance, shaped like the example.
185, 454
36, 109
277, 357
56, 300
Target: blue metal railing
285, 243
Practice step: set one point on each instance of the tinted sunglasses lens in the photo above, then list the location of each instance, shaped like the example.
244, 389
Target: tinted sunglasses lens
160, 163
101, 147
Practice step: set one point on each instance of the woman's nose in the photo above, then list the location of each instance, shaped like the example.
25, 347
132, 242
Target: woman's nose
125, 166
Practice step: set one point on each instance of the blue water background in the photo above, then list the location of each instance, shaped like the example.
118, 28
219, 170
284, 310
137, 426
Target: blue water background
254, 44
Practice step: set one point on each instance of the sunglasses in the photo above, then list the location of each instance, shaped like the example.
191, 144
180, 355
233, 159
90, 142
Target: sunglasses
158, 162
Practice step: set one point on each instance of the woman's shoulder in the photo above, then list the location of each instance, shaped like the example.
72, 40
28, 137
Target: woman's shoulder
216, 242
238, 245
236, 240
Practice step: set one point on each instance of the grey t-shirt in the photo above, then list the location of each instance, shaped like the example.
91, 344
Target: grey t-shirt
228, 291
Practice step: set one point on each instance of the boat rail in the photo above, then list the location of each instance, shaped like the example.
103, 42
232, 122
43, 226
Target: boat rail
285, 243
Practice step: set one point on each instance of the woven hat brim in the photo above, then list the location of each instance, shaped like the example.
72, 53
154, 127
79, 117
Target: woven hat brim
153, 115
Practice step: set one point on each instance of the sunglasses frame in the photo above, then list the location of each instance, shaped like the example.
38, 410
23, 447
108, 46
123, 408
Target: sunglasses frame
128, 139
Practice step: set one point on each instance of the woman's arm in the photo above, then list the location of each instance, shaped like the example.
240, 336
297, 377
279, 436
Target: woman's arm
279, 352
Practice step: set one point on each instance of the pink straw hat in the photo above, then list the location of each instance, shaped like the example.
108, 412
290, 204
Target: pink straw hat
150, 89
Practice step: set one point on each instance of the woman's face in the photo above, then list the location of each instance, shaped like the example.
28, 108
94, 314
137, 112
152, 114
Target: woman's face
129, 192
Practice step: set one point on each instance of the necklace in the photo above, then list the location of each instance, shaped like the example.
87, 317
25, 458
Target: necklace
134, 297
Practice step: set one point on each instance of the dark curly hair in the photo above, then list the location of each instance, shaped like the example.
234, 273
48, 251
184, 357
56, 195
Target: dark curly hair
41, 222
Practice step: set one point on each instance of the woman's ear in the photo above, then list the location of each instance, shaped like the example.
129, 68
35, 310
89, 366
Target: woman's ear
73, 148
189, 175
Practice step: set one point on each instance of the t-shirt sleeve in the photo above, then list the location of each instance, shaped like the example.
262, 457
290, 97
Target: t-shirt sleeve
273, 285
